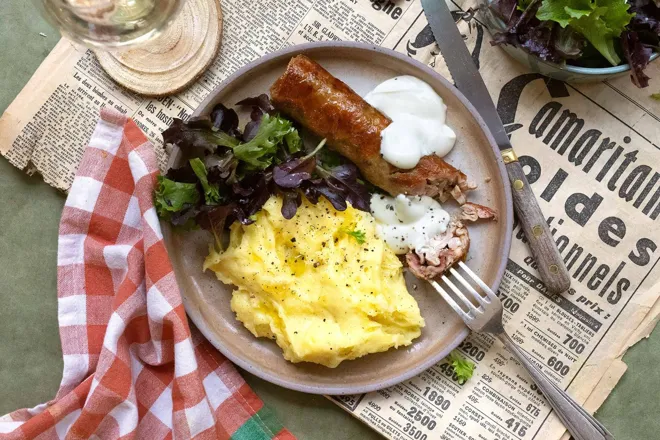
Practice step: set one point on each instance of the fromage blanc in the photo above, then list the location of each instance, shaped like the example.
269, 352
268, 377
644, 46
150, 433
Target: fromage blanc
408, 222
418, 117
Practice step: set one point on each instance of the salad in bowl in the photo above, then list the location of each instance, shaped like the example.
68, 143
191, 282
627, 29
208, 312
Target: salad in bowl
585, 36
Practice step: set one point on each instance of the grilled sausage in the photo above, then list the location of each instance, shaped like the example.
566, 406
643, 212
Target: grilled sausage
329, 108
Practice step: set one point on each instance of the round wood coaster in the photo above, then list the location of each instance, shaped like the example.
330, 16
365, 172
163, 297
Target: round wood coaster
173, 60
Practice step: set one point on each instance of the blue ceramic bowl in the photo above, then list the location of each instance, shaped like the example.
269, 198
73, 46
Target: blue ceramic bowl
564, 72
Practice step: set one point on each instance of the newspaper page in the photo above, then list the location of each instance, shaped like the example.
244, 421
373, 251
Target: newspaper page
588, 150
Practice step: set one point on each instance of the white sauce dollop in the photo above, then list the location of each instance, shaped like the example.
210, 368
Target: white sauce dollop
408, 222
418, 116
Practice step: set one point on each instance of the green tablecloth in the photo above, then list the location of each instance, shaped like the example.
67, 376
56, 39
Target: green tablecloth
30, 356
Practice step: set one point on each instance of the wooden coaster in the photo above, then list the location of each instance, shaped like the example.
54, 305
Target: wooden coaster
173, 60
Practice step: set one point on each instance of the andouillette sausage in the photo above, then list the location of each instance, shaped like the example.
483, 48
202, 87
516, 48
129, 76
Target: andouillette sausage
329, 108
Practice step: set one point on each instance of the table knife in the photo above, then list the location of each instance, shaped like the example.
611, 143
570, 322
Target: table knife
551, 268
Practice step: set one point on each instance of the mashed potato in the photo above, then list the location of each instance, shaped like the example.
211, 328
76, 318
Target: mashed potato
313, 288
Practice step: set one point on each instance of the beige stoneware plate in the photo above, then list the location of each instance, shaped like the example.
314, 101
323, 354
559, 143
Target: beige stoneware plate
207, 300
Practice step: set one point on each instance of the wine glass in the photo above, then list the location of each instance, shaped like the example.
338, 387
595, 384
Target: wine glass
105, 24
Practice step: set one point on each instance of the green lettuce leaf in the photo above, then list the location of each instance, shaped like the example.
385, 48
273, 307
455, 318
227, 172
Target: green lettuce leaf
260, 151
171, 196
211, 192
293, 141
600, 21
463, 368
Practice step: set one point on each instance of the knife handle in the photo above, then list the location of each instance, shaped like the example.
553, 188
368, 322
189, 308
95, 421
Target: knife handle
550, 264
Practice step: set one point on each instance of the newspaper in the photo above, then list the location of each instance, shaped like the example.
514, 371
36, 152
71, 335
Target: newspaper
589, 150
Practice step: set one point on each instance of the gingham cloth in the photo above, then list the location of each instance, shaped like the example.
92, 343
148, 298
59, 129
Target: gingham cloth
133, 369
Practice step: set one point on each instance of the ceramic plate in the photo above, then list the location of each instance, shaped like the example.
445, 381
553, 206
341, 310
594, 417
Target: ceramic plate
206, 300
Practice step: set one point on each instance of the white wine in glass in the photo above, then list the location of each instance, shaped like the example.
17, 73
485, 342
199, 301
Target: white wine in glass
105, 24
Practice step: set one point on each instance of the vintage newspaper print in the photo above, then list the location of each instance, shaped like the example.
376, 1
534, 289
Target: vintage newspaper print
588, 151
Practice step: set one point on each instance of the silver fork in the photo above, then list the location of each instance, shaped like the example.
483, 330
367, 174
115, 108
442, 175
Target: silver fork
487, 318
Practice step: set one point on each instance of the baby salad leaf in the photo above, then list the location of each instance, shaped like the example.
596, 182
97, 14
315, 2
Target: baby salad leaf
260, 150
291, 200
262, 102
638, 56
211, 193
600, 21
569, 44
346, 177
293, 173
656, 96
647, 17
293, 141
196, 137
252, 127
261, 106
225, 119
171, 196
463, 368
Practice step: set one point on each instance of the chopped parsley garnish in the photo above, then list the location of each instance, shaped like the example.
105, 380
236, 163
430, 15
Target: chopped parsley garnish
359, 236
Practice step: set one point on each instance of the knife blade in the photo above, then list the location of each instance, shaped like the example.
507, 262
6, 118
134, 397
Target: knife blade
466, 76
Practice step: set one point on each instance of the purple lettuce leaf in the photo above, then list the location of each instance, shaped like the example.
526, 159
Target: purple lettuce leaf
252, 127
647, 16
190, 137
293, 173
638, 56
224, 119
335, 196
291, 200
346, 177
544, 39
262, 102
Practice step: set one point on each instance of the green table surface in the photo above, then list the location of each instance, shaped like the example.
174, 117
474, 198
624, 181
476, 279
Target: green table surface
30, 356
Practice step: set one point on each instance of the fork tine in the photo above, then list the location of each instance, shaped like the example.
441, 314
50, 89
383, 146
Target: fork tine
478, 280
449, 300
461, 296
483, 301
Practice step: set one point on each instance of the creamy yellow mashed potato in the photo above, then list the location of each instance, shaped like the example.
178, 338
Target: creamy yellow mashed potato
313, 288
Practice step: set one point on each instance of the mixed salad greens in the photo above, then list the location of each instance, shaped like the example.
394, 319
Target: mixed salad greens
588, 33
228, 175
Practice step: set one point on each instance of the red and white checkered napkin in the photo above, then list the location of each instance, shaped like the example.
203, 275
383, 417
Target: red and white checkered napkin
132, 366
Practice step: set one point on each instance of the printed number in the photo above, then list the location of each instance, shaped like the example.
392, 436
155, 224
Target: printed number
472, 350
515, 426
508, 303
424, 420
414, 432
534, 410
448, 371
374, 406
459, 421
558, 366
574, 344
532, 317
436, 398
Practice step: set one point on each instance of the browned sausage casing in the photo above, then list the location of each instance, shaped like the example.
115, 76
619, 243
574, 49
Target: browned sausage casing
329, 108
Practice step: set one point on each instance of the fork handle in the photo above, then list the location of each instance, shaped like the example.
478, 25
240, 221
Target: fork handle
579, 423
